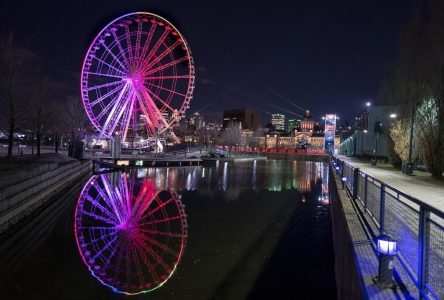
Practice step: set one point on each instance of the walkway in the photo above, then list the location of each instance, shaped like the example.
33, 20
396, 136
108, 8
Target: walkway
421, 185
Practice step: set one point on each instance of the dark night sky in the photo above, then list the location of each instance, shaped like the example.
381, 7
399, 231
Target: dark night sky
328, 56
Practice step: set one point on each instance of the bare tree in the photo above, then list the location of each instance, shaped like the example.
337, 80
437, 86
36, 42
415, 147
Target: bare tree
416, 86
75, 117
14, 67
40, 108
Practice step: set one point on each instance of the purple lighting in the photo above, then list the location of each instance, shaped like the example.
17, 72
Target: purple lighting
129, 235
137, 71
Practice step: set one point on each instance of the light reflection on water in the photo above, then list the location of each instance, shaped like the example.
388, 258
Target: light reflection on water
109, 202
220, 197
130, 235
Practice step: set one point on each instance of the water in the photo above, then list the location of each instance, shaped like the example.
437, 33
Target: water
244, 230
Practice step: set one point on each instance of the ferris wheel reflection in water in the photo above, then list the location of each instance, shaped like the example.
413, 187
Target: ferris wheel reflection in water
130, 235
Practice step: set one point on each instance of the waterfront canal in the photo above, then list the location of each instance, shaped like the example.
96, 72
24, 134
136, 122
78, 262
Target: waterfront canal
229, 230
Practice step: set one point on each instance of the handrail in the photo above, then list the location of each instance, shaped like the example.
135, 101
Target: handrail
430, 208
416, 231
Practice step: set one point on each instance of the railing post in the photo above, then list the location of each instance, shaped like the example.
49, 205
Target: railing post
355, 183
382, 209
423, 236
365, 192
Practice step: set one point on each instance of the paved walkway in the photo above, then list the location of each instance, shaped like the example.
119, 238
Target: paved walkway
421, 185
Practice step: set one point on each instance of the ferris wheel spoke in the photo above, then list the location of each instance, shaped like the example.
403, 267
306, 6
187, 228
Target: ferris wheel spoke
125, 70
155, 47
165, 89
166, 66
157, 116
142, 251
129, 44
103, 209
170, 77
159, 245
126, 192
100, 218
101, 98
158, 58
127, 119
121, 110
159, 207
143, 200
138, 37
101, 86
150, 118
169, 234
99, 228
118, 70
119, 45
148, 41
100, 237
107, 262
112, 199
103, 249
153, 254
136, 259
104, 74
160, 100
160, 221
117, 103
122, 205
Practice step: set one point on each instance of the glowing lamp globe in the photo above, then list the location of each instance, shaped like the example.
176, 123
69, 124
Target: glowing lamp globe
386, 245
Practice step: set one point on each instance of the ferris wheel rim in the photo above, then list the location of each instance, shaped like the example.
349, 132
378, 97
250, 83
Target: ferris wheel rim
180, 210
190, 74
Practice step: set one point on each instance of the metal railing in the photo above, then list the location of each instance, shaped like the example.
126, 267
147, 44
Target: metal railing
417, 226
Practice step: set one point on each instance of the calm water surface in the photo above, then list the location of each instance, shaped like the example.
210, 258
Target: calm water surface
244, 230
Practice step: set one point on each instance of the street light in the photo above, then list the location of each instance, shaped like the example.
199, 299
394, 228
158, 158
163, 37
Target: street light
393, 116
407, 167
378, 130
343, 180
387, 249
362, 139
368, 104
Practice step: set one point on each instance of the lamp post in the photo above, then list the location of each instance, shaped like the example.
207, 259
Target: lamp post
387, 249
362, 140
377, 130
407, 167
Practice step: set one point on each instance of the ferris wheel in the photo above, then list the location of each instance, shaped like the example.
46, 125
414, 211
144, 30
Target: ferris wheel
130, 236
137, 77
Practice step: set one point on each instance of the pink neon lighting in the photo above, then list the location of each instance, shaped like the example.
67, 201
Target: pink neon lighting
134, 70
130, 236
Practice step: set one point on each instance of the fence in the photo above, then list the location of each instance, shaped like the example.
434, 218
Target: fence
417, 227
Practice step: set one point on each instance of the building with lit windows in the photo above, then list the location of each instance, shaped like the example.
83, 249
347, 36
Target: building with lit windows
278, 122
244, 118
294, 124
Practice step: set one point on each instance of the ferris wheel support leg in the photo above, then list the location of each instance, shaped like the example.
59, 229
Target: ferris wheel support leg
159, 145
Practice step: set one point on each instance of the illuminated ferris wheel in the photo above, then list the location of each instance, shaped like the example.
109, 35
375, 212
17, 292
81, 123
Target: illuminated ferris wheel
137, 77
130, 235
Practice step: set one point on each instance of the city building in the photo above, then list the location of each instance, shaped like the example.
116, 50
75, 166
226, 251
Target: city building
370, 135
244, 118
305, 140
307, 124
278, 122
294, 124
197, 121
